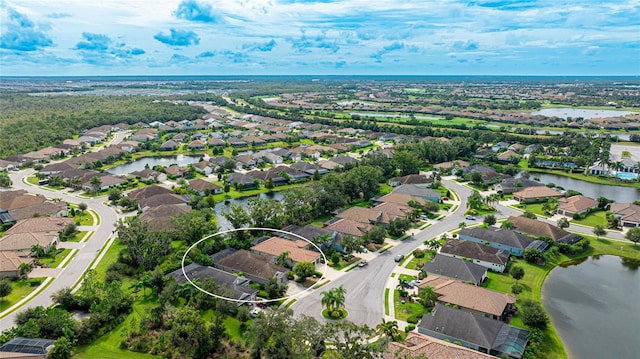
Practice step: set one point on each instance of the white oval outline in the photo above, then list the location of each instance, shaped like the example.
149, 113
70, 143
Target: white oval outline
252, 229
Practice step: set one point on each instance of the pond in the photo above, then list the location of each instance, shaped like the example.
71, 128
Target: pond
222, 206
595, 307
593, 190
140, 164
580, 112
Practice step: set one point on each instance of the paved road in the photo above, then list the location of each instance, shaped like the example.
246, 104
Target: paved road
365, 286
82, 260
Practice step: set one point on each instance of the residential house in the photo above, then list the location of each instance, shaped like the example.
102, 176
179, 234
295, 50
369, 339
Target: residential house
204, 167
242, 180
456, 268
500, 146
409, 179
158, 218
539, 229
508, 156
489, 257
512, 184
246, 161
628, 213
129, 146
536, 194
457, 164
418, 191
576, 205
7, 165
258, 268
16, 199
106, 181
180, 137
474, 331
42, 231
204, 187
170, 145
489, 175
365, 215
44, 209
148, 174
509, 240
399, 198
145, 134
297, 249
312, 233
216, 142
470, 298
309, 168
237, 287
10, 262
196, 145
57, 168
417, 345
146, 197
348, 227
176, 171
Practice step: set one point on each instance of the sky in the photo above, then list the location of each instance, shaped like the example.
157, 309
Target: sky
319, 37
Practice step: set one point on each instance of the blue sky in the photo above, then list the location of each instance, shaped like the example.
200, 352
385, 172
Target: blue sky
347, 37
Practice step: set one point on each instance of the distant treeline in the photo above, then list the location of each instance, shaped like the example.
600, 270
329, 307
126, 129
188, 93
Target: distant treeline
29, 123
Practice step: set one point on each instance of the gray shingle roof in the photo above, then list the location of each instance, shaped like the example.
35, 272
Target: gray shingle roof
456, 268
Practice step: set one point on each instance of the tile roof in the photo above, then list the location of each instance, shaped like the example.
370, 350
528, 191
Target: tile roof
469, 296
10, 261
577, 203
42, 209
158, 218
420, 345
40, 224
252, 264
25, 240
348, 226
297, 251
537, 192
400, 198
538, 228
627, 211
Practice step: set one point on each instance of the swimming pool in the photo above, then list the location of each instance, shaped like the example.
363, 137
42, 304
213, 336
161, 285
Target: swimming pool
627, 176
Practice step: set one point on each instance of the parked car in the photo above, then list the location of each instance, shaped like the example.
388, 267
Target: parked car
255, 312
471, 218
399, 258
362, 263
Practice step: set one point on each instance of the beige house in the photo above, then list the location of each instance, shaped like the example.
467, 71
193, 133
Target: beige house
576, 205
536, 194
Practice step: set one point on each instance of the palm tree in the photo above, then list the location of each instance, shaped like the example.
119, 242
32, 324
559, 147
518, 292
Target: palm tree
328, 299
388, 328
507, 225
339, 293
427, 296
95, 183
37, 250
283, 259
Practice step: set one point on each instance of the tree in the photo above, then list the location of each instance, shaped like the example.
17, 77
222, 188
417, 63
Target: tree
24, 269
516, 273
5, 289
82, 207
533, 315
194, 225
599, 231
304, 270
376, 234
406, 162
430, 207
563, 223
61, 349
603, 202
284, 259
350, 340
474, 201
489, 220
427, 296
388, 328
550, 205
532, 255
529, 214
37, 250
64, 298
633, 235
114, 194
144, 249
476, 178
95, 183
507, 225
243, 315
265, 213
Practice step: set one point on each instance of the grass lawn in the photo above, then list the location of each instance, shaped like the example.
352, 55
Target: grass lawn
21, 288
108, 345
111, 256
84, 219
593, 219
386, 301
405, 310
61, 254
406, 277
33, 180
413, 264
534, 208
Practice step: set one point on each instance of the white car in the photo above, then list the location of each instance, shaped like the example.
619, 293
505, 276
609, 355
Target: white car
471, 218
255, 312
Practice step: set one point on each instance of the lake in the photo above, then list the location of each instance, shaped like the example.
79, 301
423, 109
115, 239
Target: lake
593, 190
580, 112
595, 307
140, 164
222, 206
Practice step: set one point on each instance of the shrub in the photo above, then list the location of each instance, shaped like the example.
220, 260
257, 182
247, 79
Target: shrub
516, 289
413, 319
409, 328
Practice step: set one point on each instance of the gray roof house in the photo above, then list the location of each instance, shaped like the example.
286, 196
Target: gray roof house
239, 286
456, 268
474, 331
490, 257
514, 242
512, 184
